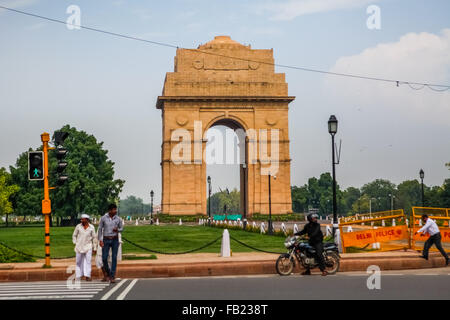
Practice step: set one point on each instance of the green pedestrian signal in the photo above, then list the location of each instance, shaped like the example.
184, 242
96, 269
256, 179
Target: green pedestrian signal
36, 165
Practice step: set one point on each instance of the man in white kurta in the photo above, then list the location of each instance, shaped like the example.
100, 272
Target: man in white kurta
85, 240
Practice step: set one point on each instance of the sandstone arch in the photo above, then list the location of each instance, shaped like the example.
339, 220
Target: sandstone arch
213, 89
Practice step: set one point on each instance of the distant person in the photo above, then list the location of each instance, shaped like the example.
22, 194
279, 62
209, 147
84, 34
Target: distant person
85, 240
108, 235
432, 229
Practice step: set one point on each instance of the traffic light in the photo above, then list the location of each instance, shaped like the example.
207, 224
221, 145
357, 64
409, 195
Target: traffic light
36, 165
61, 152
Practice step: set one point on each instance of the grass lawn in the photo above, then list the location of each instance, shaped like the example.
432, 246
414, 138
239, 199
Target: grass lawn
161, 238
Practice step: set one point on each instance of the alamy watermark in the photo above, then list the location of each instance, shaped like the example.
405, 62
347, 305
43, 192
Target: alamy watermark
374, 280
72, 283
74, 20
188, 147
373, 22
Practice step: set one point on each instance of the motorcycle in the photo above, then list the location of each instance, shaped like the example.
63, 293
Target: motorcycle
305, 254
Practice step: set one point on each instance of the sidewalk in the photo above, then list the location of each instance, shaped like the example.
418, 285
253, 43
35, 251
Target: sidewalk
211, 264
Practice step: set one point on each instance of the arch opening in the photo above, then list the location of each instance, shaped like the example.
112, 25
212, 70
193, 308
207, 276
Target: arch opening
226, 164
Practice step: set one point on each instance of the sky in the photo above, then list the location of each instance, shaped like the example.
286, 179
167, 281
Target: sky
107, 86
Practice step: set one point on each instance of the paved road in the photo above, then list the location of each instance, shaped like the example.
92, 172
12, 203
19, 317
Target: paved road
408, 284
432, 285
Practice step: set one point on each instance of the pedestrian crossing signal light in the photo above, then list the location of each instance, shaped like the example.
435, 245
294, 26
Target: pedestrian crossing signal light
36, 165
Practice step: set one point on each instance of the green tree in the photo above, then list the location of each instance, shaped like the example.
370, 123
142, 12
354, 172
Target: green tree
350, 196
225, 198
7, 190
133, 205
91, 185
300, 197
27, 202
361, 205
409, 194
380, 190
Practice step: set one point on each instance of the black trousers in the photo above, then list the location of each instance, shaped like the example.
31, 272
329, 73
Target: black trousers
436, 239
319, 254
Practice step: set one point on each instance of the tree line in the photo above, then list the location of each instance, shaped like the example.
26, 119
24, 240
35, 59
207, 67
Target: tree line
378, 195
90, 188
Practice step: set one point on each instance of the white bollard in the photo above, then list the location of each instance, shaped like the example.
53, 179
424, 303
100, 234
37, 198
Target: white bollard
349, 229
383, 224
393, 223
407, 222
157, 222
263, 230
180, 223
225, 250
420, 222
328, 231
337, 239
295, 228
137, 221
283, 228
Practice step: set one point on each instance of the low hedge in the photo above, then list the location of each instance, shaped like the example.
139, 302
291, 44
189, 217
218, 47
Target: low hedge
9, 256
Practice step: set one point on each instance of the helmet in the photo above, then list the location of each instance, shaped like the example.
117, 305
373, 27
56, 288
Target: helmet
311, 216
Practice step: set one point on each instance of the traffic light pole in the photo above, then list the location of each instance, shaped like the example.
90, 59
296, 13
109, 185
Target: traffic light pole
46, 204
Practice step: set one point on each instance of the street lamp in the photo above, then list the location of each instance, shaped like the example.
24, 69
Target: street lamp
422, 175
151, 206
209, 200
244, 166
270, 228
392, 201
332, 129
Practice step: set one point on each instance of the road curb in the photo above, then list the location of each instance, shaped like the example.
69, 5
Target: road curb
222, 268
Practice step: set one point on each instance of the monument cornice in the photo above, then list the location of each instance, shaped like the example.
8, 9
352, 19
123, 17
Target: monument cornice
162, 99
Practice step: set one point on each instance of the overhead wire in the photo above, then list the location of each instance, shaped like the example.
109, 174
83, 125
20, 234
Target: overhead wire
411, 84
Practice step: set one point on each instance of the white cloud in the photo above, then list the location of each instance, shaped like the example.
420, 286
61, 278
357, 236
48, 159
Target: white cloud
291, 9
416, 57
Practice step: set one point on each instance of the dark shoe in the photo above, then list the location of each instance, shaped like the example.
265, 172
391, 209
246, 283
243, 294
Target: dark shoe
324, 273
88, 279
446, 261
112, 280
105, 279
426, 258
307, 272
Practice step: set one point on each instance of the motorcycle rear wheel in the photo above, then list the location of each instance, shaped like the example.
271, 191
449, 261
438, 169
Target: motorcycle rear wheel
285, 264
334, 262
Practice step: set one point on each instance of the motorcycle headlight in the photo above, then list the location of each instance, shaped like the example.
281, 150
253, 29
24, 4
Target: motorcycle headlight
288, 243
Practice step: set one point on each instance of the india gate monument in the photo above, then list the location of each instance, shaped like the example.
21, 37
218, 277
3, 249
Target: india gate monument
225, 83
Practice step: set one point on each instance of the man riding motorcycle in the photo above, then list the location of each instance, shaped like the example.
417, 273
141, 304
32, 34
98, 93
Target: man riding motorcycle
315, 235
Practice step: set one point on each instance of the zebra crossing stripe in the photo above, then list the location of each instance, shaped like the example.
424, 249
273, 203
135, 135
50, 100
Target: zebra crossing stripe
116, 287
52, 290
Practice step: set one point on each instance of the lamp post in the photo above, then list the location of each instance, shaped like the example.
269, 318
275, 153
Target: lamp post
244, 166
151, 206
270, 229
209, 200
332, 129
422, 175
392, 201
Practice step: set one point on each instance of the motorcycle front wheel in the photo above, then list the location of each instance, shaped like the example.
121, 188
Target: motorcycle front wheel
285, 264
332, 262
